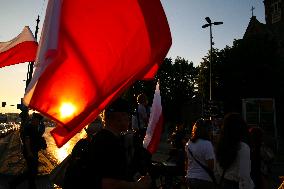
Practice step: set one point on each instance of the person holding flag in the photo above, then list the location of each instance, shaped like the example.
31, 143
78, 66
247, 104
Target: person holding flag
141, 117
127, 41
108, 163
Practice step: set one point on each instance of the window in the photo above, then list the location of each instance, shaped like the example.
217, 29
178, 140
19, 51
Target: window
275, 11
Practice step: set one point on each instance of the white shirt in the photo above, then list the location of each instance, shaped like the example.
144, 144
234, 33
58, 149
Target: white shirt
202, 150
239, 171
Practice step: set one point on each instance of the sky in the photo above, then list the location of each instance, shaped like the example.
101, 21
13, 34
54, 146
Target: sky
186, 17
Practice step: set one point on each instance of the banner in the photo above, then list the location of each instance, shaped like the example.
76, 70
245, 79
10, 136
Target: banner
90, 52
18, 50
156, 121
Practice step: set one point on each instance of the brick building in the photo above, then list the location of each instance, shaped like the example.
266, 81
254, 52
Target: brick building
273, 29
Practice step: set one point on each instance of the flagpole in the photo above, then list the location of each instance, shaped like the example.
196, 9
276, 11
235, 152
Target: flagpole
31, 64
24, 115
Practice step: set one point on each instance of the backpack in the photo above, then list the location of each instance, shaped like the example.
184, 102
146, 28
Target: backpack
77, 169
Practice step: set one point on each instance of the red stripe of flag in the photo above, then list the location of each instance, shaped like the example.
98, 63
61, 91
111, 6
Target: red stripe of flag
20, 49
155, 139
23, 52
91, 55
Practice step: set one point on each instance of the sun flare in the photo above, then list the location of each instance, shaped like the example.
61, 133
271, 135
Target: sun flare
67, 110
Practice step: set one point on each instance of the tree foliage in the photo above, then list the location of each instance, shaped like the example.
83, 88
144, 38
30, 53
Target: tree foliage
250, 68
177, 81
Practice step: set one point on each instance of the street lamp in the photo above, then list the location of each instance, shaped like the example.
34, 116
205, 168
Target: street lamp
210, 23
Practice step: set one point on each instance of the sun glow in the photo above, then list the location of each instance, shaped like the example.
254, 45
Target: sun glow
67, 110
63, 152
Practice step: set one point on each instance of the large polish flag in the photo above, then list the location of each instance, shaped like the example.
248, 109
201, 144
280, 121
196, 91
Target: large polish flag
90, 52
156, 121
21, 49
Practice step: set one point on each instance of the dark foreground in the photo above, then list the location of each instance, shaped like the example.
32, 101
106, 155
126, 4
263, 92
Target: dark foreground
47, 164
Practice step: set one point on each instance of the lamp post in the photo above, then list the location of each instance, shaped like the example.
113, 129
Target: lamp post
210, 23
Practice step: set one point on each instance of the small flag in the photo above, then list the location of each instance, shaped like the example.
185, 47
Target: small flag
154, 130
90, 52
20, 49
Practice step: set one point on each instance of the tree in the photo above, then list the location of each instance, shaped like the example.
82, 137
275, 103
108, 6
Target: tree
251, 68
203, 81
177, 85
140, 86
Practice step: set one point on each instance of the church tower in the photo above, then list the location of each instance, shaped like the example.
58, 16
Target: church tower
273, 29
274, 17
274, 12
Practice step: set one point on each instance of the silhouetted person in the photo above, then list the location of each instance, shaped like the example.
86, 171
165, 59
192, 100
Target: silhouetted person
260, 160
140, 123
233, 153
178, 140
32, 136
107, 162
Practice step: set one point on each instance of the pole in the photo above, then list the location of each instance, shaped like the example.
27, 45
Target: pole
210, 23
24, 115
210, 66
31, 64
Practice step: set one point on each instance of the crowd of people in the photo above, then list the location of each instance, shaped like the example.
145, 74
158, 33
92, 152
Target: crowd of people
238, 159
113, 157
234, 161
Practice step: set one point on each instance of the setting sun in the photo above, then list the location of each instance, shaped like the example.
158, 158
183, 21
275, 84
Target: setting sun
67, 110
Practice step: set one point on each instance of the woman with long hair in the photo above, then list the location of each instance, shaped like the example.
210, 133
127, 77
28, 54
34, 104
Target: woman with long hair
233, 153
199, 150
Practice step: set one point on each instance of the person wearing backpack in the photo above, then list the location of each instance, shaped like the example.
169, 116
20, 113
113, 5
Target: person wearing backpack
106, 161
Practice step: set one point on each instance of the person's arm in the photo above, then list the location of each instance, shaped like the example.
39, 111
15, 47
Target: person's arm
210, 156
210, 164
143, 183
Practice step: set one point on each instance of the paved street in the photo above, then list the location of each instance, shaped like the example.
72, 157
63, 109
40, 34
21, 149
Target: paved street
12, 163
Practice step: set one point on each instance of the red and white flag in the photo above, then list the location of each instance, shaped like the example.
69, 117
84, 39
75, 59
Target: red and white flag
156, 121
18, 50
90, 52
